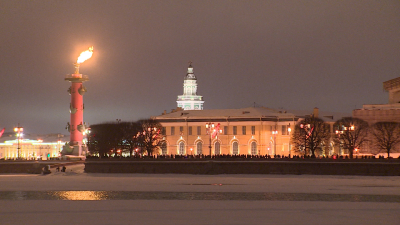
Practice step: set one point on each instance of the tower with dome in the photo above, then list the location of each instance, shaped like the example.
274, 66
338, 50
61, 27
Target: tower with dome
190, 100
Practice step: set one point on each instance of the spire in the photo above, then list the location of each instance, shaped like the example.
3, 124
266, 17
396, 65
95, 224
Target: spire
190, 75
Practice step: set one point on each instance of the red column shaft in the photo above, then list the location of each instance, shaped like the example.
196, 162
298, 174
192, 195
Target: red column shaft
77, 117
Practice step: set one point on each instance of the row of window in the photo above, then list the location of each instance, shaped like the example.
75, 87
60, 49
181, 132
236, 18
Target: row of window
225, 130
217, 148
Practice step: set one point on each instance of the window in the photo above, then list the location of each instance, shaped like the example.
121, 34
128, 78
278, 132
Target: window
225, 130
284, 130
181, 130
199, 130
254, 148
253, 130
190, 130
163, 131
164, 148
181, 148
217, 147
172, 130
244, 130
234, 130
235, 148
199, 149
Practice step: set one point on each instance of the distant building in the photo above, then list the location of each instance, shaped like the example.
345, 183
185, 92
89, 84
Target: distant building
373, 113
390, 112
31, 147
190, 100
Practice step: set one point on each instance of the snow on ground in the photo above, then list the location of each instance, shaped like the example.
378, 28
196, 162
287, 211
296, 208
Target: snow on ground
198, 211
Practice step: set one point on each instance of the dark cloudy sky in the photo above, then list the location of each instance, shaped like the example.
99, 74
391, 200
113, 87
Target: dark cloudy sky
289, 54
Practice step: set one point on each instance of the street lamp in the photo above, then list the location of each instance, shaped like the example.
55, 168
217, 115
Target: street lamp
212, 130
289, 130
274, 132
18, 130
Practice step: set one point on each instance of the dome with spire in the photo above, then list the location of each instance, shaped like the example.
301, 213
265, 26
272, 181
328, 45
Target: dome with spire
190, 75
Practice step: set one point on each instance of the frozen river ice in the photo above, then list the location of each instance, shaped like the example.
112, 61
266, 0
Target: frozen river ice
78, 198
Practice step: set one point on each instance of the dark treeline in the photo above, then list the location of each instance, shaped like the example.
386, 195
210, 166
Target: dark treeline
115, 138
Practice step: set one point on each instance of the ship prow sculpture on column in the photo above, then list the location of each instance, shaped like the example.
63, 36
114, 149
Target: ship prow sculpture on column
76, 126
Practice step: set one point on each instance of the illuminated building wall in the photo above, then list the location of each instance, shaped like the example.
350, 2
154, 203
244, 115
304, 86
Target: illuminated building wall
247, 131
30, 149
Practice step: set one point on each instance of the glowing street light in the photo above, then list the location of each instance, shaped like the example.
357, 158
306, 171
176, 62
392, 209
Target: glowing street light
19, 131
289, 130
274, 132
212, 131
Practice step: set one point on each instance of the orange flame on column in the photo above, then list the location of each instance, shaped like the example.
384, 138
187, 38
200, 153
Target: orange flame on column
85, 55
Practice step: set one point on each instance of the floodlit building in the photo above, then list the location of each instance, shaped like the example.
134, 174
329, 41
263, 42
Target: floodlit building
31, 147
190, 100
249, 131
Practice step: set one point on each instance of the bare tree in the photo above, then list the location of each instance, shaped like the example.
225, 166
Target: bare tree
386, 136
310, 134
150, 137
352, 133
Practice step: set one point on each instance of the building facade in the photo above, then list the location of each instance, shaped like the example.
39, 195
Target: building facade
31, 147
247, 131
190, 100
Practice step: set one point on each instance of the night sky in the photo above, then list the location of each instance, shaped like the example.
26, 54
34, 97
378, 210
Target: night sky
290, 54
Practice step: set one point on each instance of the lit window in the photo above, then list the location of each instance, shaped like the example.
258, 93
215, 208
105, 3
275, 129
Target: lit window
235, 148
217, 148
253, 148
199, 149
181, 148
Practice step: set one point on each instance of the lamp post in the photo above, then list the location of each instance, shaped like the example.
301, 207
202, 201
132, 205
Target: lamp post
274, 132
289, 130
210, 128
18, 130
212, 131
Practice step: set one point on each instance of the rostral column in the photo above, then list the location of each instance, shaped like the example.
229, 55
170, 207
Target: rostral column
76, 127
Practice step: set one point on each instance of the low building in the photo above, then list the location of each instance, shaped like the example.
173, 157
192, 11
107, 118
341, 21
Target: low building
31, 147
246, 131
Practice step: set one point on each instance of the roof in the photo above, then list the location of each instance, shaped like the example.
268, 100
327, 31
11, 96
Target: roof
250, 114
243, 113
391, 84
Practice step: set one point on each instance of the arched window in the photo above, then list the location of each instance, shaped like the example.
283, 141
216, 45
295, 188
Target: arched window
254, 148
164, 148
181, 148
235, 148
217, 147
199, 149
